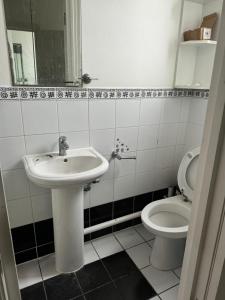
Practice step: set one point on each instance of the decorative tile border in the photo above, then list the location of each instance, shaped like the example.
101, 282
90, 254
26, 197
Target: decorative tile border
27, 93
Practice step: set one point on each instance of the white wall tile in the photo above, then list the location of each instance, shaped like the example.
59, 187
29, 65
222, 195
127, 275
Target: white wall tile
12, 150
126, 166
40, 117
165, 157
179, 154
127, 113
73, 115
146, 160
145, 182
128, 136
15, 184
165, 177
198, 111
103, 140
41, 143
171, 111
168, 134
101, 192
194, 135
181, 133
185, 109
36, 190
11, 119
102, 114
42, 207
77, 139
20, 212
110, 173
148, 137
124, 187
150, 111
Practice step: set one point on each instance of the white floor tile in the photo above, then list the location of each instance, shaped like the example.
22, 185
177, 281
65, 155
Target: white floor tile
28, 273
155, 298
170, 294
147, 235
106, 245
128, 238
47, 264
151, 243
140, 255
90, 254
160, 280
178, 272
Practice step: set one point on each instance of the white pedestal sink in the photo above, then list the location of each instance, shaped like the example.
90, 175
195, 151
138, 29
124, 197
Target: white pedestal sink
66, 176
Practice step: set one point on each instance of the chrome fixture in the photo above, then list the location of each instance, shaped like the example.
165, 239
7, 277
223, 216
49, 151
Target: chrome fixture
86, 78
116, 155
63, 146
87, 186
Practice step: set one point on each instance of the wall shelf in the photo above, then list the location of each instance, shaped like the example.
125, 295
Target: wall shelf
195, 58
199, 43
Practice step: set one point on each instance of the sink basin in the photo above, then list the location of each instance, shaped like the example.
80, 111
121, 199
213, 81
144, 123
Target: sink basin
78, 167
66, 177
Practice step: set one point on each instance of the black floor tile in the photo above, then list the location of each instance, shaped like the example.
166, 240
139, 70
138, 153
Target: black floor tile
107, 291
62, 287
134, 287
119, 264
33, 292
92, 276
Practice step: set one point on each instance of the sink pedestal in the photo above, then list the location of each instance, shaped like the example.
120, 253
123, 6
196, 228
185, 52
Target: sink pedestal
67, 207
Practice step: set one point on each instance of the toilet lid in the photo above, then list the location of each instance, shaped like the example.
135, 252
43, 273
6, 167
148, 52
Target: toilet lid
187, 173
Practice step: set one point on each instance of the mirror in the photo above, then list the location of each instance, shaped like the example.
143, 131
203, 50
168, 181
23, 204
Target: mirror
39, 36
125, 43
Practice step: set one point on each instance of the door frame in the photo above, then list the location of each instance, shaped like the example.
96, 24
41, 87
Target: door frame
204, 258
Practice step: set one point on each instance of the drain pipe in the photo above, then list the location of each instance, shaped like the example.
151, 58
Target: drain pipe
112, 222
116, 221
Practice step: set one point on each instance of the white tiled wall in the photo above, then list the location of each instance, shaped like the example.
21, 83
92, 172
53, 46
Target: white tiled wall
195, 123
157, 131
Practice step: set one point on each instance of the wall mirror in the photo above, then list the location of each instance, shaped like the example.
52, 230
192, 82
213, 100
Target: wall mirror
128, 43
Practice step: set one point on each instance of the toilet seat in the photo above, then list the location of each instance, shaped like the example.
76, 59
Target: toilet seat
167, 218
187, 173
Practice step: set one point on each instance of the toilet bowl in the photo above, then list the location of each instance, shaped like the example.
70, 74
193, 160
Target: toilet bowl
169, 218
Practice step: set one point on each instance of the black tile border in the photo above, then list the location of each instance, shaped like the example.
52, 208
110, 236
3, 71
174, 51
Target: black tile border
70, 93
37, 239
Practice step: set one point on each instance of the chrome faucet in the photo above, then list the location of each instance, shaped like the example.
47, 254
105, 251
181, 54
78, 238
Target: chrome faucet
63, 146
116, 155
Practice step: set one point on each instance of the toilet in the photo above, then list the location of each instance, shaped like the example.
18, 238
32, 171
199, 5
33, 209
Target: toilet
169, 218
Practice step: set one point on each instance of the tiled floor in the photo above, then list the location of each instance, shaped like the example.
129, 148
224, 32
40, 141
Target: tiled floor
117, 266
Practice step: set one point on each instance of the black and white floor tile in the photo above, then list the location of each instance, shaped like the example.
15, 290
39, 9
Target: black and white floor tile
117, 266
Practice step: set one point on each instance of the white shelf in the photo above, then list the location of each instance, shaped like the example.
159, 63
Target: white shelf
198, 43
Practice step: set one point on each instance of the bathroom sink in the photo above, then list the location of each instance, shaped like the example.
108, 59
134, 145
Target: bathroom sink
66, 176
77, 167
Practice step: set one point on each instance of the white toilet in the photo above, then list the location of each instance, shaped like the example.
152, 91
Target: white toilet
169, 218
